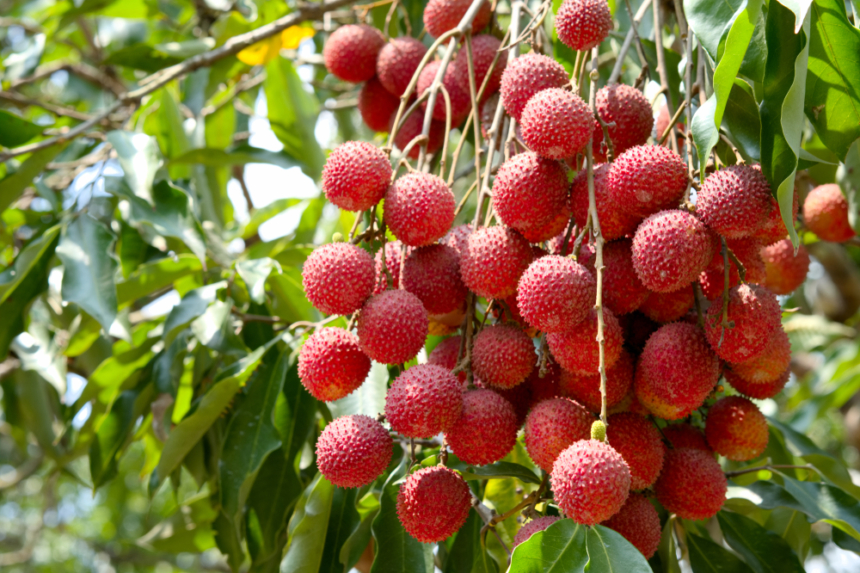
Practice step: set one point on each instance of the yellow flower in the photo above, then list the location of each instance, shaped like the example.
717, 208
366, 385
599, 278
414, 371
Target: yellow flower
260, 53
293, 36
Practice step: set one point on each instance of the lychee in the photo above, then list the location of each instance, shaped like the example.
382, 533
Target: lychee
758, 390
785, 270
774, 229
753, 315
377, 105
585, 388
552, 228
748, 252
770, 364
547, 387
332, 365
526, 76
583, 24
397, 62
639, 523
485, 431
392, 264
432, 273
441, 16
411, 127
734, 201
519, 397
556, 124
419, 208
493, 261
668, 306
392, 327
630, 111
445, 355
338, 278
590, 481
615, 222
647, 178
684, 435
456, 238
555, 293
484, 48
551, 426
460, 98
623, 292
433, 503
736, 429
577, 350
350, 52
424, 400
532, 527
356, 176
502, 355
692, 484
825, 213
639, 443
529, 191
352, 451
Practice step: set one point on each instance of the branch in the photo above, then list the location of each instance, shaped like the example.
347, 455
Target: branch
661, 66
632, 34
22, 101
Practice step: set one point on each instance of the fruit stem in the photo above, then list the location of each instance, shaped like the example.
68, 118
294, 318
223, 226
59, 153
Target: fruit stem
632, 33
476, 123
661, 66
742, 270
697, 298
447, 137
610, 149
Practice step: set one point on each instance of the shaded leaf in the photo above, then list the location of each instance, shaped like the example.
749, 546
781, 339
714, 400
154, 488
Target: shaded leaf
609, 551
15, 130
240, 155
272, 496
294, 414
154, 276
793, 527
708, 557
668, 549
255, 272
764, 552
560, 547
141, 57
189, 308
215, 329
467, 554
344, 518
307, 528
112, 433
13, 185
742, 121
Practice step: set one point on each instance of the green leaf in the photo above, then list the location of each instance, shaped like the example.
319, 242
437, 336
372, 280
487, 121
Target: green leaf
13, 185
673, 60
344, 518
272, 496
215, 329
368, 399
189, 308
138, 156
793, 527
764, 551
668, 548
288, 299
37, 352
154, 276
848, 177
708, 557
293, 113
559, 548
89, 269
141, 57
263, 214
15, 130
294, 414
307, 528
255, 272
105, 381
240, 155
356, 543
497, 470
111, 435
228, 541
711, 22
36, 407
467, 554
609, 551
833, 81
742, 121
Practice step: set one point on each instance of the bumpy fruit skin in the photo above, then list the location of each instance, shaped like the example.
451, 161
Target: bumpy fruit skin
397, 63
445, 355
647, 178
350, 52
758, 390
756, 315
392, 327
734, 201
532, 527
526, 76
485, 431
686, 436
423, 401
457, 237
577, 350
585, 389
338, 278
670, 249
639, 523
433, 503
590, 481
556, 124
736, 429
460, 98
443, 15
692, 484
331, 364
552, 228
432, 273
825, 213
352, 451
770, 364
774, 229
502, 355
677, 371
546, 387
669, 306
631, 112
356, 176
785, 270
615, 222
583, 24
529, 191
377, 105
484, 48
392, 263
623, 292
419, 208
748, 252
553, 425
411, 127
639, 443
555, 293
493, 261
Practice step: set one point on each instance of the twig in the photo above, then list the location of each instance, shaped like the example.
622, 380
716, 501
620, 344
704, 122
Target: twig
610, 149
661, 65
769, 467
466, 195
697, 299
742, 270
632, 34
725, 320
671, 125
688, 85
567, 234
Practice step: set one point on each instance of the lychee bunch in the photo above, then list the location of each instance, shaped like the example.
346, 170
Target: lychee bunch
332, 365
377, 105
631, 113
392, 327
432, 273
692, 484
529, 191
825, 213
356, 176
338, 278
748, 252
646, 179
397, 62
388, 272
585, 388
583, 24
639, 523
753, 315
485, 431
734, 201
423, 401
411, 127
556, 124
576, 351
419, 208
441, 16
736, 429
352, 451
350, 52
484, 49
770, 364
623, 292
684, 435
639, 443
555, 293
433, 503
502, 355
527, 75
615, 222
493, 261
667, 306
553, 425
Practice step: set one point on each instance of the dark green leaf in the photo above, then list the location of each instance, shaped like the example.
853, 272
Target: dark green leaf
113, 432
368, 399
15, 130
609, 551
139, 159
288, 300
13, 185
272, 496
344, 518
848, 176
708, 557
307, 530
559, 548
467, 555
104, 383
141, 57
294, 414
764, 552
36, 405
357, 542
228, 541
845, 541
497, 470
667, 550
215, 329
792, 526
742, 121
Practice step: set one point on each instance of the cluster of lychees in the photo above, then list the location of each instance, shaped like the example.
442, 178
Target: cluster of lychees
688, 296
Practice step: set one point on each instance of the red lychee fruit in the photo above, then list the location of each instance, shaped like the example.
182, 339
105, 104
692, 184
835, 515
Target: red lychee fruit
577, 350
639, 523
338, 278
585, 389
770, 364
350, 52
484, 48
623, 292
629, 404
547, 387
377, 105
825, 213
736, 429
677, 371
445, 355
433, 504
785, 270
583, 24
630, 111
411, 127
419, 208
502, 355
755, 313
686, 436
670, 249
352, 451
734, 201
526, 76
392, 327
423, 401
662, 123
532, 527
590, 481
639, 443
555, 293
519, 397
529, 191
494, 260
356, 176
432, 273
488, 113
485, 431
553, 425
615, 222
441, 16
392, 264
774, 229
460, 98
646, 179
456, 238
748, 252
692, 484
668, 306
552, 228
397, 62
331, 364
758, 390
556, 124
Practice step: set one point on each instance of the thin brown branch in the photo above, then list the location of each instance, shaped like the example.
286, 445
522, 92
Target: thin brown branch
671, 126
632, 34
661, 65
